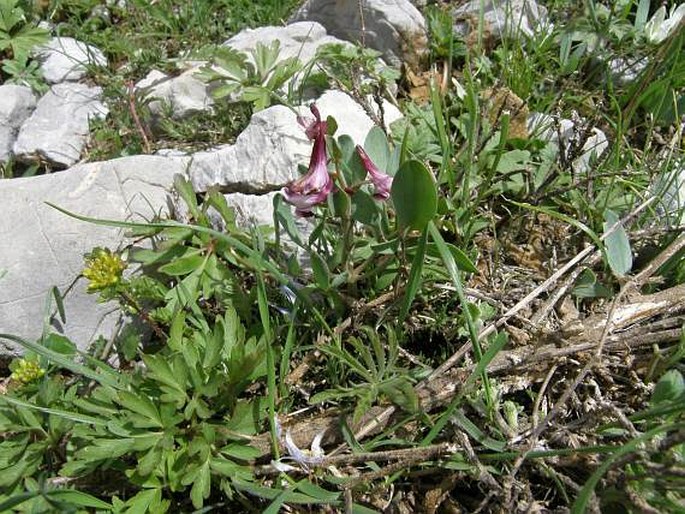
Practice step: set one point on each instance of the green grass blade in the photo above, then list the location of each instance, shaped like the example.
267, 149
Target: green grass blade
270, 361
108, 378
414, 282
585, 494
479, 370
72, 416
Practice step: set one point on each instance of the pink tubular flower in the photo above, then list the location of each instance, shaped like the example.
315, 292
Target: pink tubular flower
314, 187
381, 181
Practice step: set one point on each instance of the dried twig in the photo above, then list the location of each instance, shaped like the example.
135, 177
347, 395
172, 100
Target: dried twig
136, 119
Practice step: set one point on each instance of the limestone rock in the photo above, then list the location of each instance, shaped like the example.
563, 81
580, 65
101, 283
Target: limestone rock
67, 59
46, 247
300, 40
58, 129
16, 104
252, 209
185, 94
567, 135
266, 155
503, 18
393, 27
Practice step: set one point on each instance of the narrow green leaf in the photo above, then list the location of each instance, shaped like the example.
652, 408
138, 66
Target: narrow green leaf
72, 416
241, 451
185, 190
66, 362
476, 433
201, 486
414, 282
141, 404
17, 499
641, 14
460, 258
163, 373
74, 497
57, 296
317, 492
320, 271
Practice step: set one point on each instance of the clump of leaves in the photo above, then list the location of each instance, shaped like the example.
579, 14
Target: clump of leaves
256, 77
18, 36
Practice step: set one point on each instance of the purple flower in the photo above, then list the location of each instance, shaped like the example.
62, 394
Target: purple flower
381, 181
314, 187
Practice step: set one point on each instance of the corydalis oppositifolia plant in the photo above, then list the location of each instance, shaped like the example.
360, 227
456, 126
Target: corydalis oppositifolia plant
314, 187
382, 182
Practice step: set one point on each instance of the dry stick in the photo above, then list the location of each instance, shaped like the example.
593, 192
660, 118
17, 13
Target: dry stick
541, 393
136, 119
656, 263
524, 302
560, 292
443, 390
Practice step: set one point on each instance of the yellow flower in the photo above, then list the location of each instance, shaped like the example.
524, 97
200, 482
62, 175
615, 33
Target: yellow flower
103, 269
27, 371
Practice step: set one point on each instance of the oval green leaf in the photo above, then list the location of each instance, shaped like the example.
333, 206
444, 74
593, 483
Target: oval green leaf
619, 254
376, 146
414, 195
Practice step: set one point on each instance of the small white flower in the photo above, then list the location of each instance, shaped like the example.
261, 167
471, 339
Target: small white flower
659, 27
305, 458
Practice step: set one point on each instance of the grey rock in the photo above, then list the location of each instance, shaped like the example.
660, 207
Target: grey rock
263, 157
67, 59
184, 94
624, 72
300, 40
564, 134
252, 210
58, 129
267, 154
504, 18
150, 80
47, 247
393, 27
16, 104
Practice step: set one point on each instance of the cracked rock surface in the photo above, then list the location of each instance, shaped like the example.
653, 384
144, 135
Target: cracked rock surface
47, 246
43, 247
393, 27
16, 104
67, 59
59, 128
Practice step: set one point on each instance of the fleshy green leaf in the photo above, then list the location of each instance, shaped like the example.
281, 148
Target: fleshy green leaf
376, 146
619, 255
670, 386
414, 195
